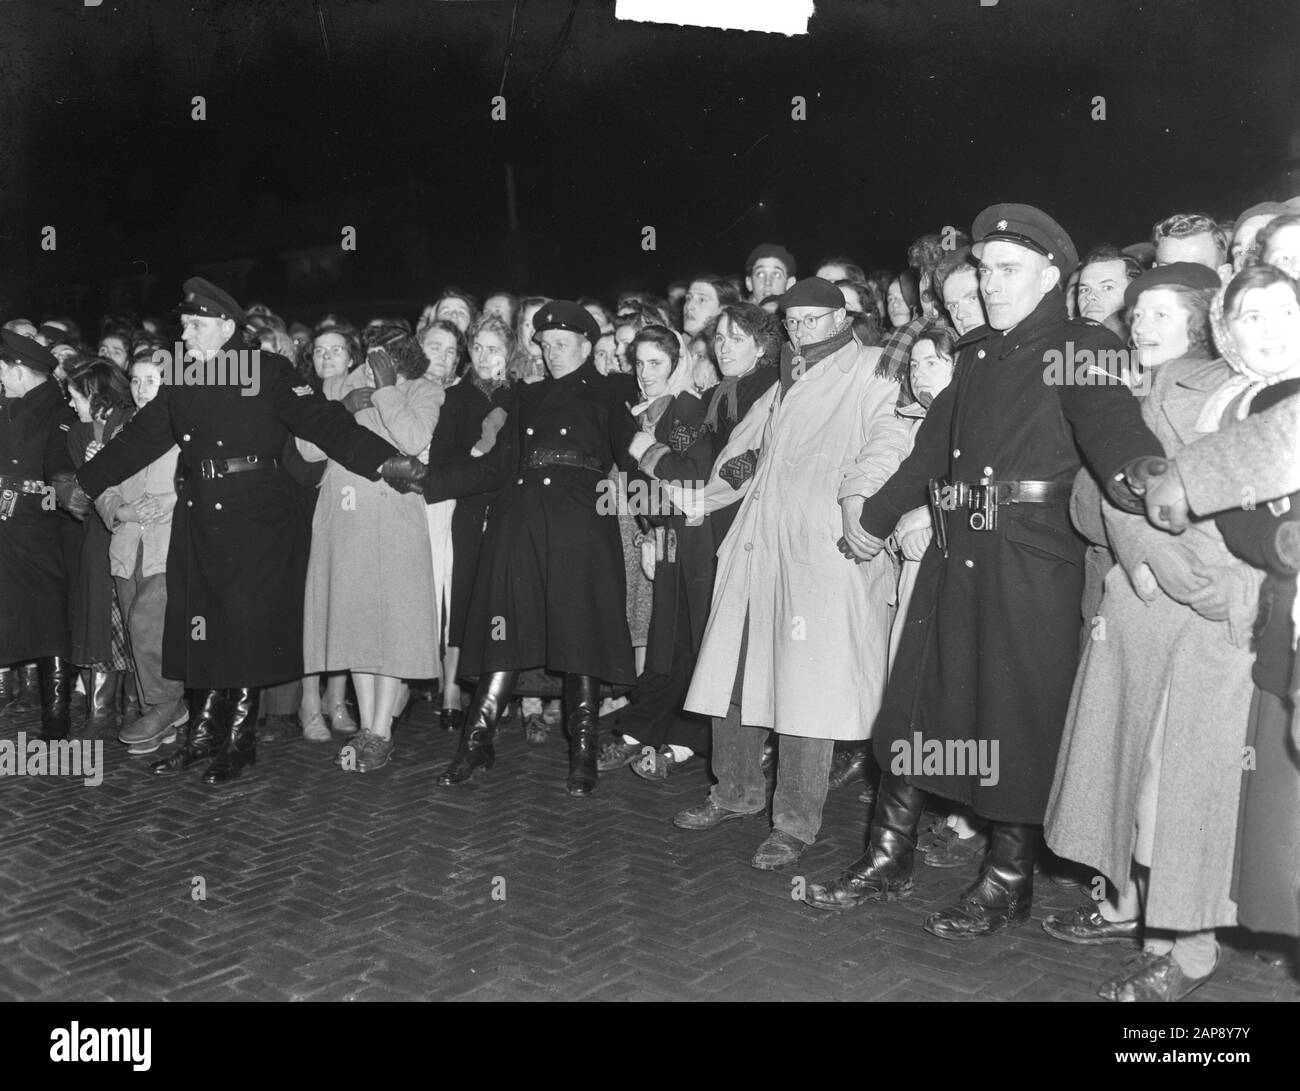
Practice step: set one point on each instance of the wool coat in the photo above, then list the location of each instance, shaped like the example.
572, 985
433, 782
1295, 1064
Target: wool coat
1160, 704
995, 659
33, 570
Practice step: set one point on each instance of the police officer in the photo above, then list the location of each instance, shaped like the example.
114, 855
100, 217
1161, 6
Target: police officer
987, 677
237, 561
36, 476
550, 589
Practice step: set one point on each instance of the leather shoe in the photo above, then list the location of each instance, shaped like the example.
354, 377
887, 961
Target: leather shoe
615, 754
707, 815
1157, 978
1084, 924
948, 850
848, 766
777, 851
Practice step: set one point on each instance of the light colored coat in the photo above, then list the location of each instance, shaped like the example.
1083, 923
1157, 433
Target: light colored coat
819, 624
1159, 709
369, 601
158, 480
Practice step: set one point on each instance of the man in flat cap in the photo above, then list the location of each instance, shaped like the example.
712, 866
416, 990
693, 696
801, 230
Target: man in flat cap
237, 561
769, 271
36, 478
977, 699
550, 590
794, 641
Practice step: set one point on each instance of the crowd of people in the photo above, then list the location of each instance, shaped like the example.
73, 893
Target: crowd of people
1005, 528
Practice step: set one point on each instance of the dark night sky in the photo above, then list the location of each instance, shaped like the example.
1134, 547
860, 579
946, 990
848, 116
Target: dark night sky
920, 112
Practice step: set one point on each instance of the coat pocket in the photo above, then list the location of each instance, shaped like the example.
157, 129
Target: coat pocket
1045, 536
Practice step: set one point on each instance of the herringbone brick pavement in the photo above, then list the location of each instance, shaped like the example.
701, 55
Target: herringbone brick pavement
326, 885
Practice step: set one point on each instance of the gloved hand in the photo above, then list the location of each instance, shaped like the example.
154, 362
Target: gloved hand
383, 367
356, 400
71, 497
736, 471
405, 473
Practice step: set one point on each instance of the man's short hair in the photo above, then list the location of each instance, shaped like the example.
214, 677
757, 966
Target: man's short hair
722, 287
954, 261
1183, 225
852, 270
1107, 252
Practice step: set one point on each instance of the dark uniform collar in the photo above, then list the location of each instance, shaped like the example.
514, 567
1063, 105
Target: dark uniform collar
1050, 310
36, 398
587, 373
974, 337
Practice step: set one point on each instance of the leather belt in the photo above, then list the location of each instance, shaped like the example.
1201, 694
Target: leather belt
211, 468
972, 493
549, 456
17, 484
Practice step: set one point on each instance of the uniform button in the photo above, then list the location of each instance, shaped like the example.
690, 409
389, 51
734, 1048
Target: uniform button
988, 471
970, 563
528, 431
220, 444
980, 355
189, 503
956, 453
217, 506
564, 431
520, 481
546, 481
185, 438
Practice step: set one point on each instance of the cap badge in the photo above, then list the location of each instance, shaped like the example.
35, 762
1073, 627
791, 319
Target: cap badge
1002, 225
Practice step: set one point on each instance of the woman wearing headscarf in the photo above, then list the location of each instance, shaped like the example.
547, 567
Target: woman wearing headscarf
1148, 779
672, 447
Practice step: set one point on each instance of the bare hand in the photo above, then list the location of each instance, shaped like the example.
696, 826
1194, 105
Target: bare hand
1166, 502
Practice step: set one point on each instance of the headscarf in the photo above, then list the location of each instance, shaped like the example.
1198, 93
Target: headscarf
649, 410
1245, 383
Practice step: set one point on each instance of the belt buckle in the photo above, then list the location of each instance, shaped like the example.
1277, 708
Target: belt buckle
208, 469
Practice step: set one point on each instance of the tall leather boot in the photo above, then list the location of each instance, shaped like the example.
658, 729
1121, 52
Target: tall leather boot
56, 677
581, 708
475, 751
884, 871
1003, 894
240, 750
8, 687
205, 734
101, 703
27, 687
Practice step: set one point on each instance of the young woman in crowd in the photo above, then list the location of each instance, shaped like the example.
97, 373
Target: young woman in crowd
100, 394
1148, 777
369, 580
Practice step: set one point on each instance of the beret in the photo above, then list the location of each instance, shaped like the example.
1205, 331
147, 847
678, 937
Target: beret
28, 352
205, 298
560, 314
1144, 253
770, 250
1187, 274
1029, 227
812, 292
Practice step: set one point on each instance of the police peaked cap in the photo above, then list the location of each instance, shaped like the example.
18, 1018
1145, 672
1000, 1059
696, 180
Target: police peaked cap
560, 314
1029, 227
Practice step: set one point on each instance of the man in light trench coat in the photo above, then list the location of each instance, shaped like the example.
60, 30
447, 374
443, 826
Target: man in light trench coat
797, 640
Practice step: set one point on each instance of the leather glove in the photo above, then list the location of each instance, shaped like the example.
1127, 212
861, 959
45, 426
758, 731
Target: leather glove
71, 497
404, 473
356, 400
383, 367
736, 471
